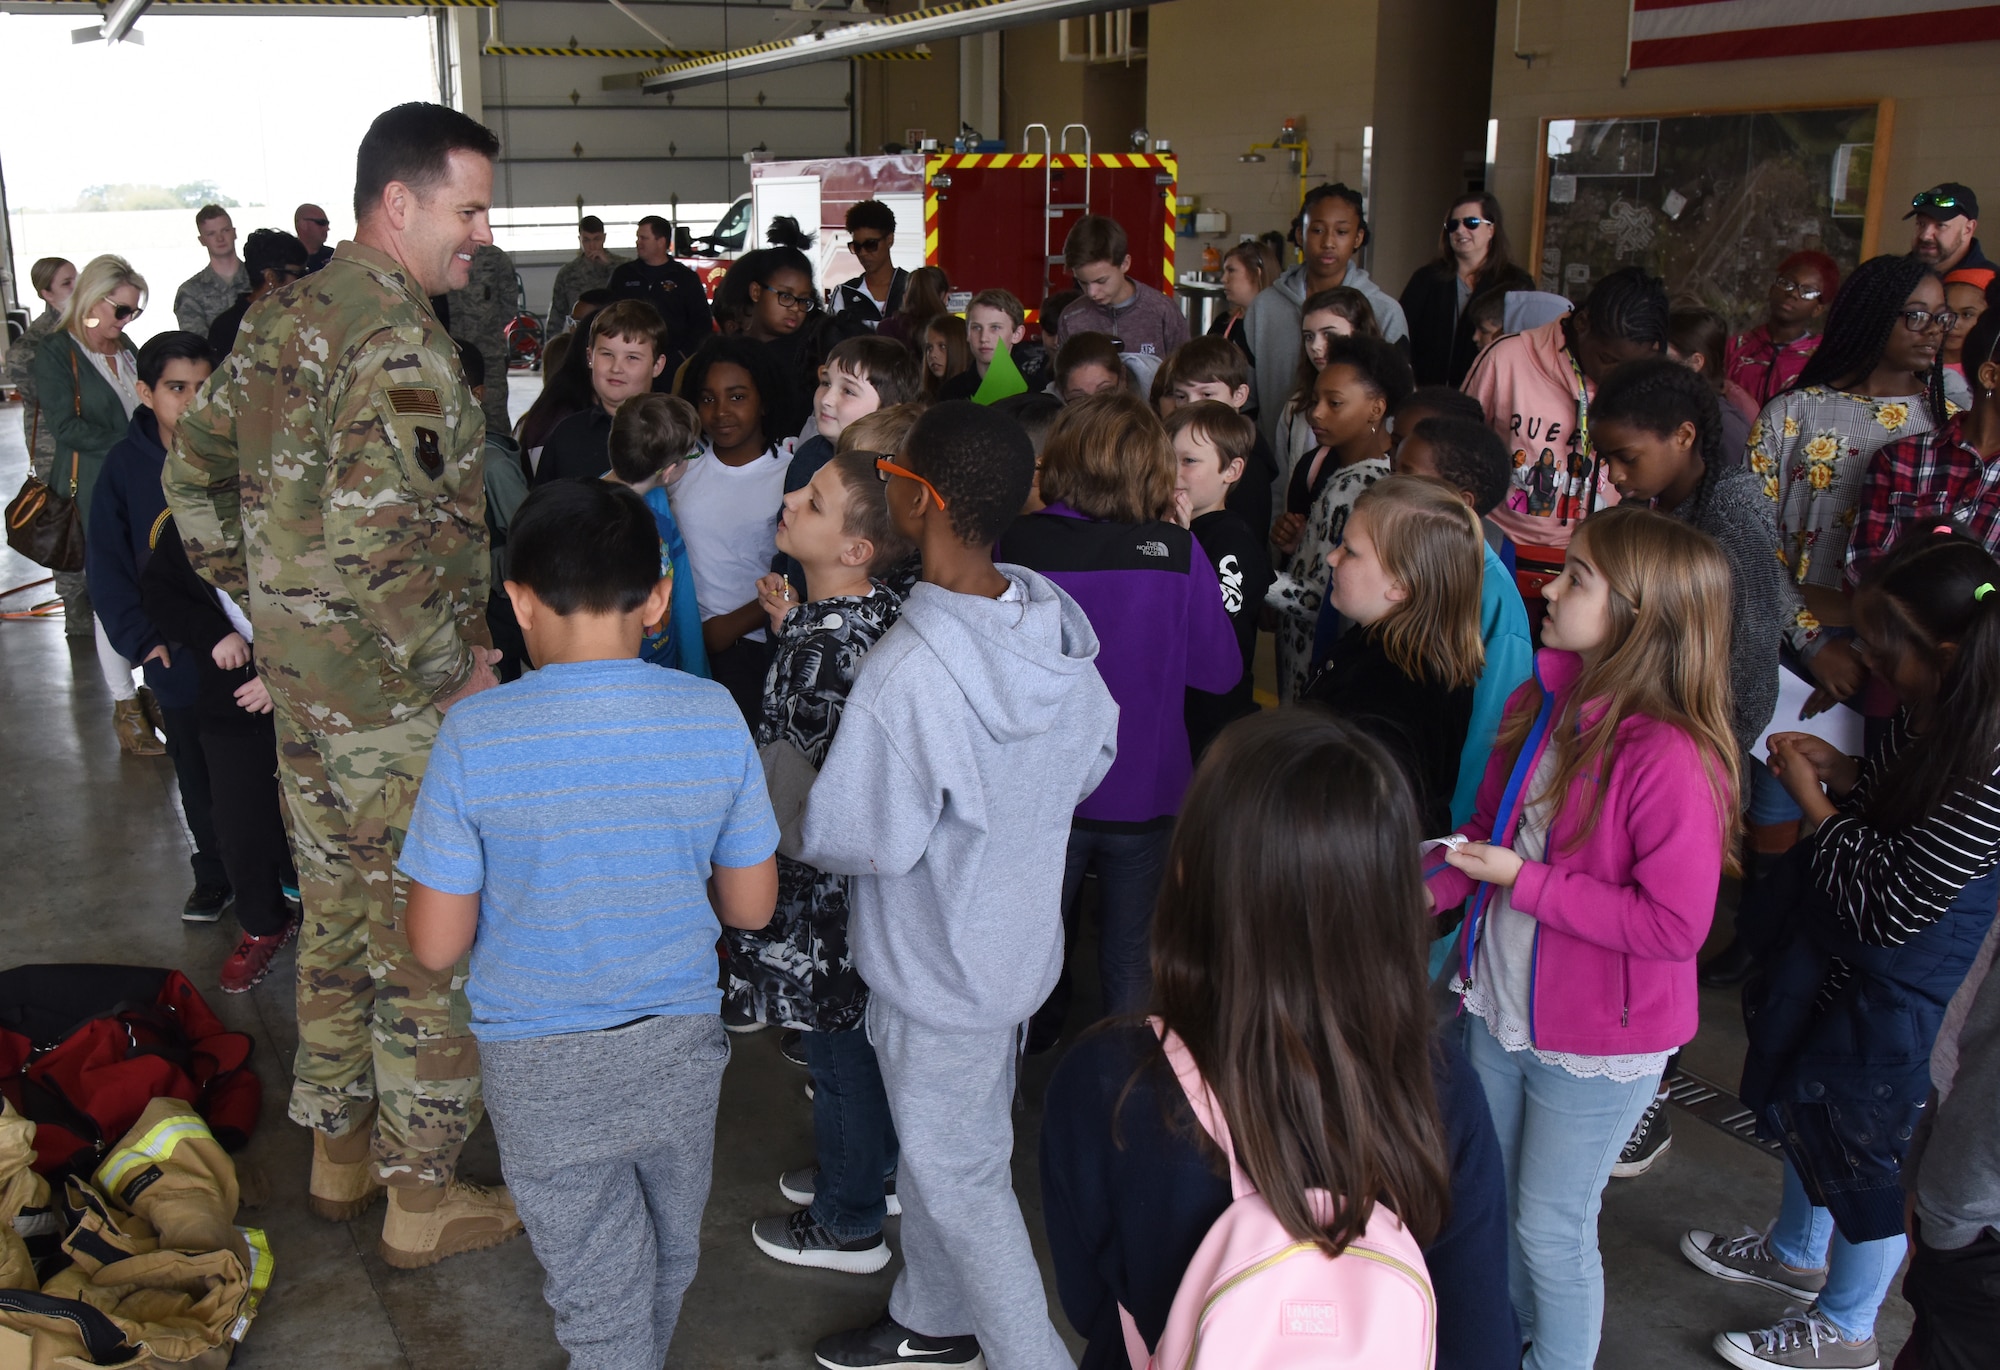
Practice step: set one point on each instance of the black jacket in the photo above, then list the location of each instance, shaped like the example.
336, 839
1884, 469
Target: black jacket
1126, 1210
674, 290
1441, 348
851, 299
1423, 724
184, 607
578, 446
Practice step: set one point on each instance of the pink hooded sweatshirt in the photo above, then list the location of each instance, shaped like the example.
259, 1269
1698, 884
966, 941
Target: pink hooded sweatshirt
1623, 915
1528, 389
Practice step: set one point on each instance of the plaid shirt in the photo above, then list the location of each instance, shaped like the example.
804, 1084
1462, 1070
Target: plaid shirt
1935, 477
1765, 368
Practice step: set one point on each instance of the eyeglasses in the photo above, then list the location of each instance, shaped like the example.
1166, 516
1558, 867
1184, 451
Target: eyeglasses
1471, 221
1920, 320
1931, 199
1792, 287
885, 468
865, 244
321, 222
787, 300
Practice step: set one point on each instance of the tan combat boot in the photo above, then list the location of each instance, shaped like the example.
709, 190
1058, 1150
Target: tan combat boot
135, 734
427, 1225
343, 1178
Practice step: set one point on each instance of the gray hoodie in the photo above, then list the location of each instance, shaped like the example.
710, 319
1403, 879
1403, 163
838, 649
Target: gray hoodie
974, 729
1271, 325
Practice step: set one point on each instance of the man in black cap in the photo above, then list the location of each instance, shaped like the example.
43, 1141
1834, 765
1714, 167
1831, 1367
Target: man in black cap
1947, 217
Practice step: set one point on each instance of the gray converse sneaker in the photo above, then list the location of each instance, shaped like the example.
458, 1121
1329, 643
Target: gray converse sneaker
797, 1240
801, 1186
1799, 1341
1748, 1260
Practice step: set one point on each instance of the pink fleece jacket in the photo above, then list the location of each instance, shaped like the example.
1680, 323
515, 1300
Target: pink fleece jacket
1623, 915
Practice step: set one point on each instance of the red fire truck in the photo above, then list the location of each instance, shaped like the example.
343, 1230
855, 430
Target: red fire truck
990, 219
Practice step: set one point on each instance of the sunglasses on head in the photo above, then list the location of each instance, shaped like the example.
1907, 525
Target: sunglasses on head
1469, 221
1931, 199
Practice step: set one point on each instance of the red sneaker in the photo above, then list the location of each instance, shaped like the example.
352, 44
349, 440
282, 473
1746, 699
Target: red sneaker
251, 961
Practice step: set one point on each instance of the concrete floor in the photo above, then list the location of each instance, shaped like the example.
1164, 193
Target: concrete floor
97, 852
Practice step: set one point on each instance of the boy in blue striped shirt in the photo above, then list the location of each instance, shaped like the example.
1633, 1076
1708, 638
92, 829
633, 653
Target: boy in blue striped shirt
581, 831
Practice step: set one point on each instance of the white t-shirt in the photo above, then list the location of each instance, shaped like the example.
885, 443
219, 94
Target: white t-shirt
729, 520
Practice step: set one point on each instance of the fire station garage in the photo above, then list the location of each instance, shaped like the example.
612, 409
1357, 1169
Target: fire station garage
394, 979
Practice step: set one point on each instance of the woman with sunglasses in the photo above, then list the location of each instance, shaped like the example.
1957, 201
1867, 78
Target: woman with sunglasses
87, 383
1472, 259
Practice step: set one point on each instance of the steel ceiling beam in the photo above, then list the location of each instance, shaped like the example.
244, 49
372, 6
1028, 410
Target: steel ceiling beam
930, 25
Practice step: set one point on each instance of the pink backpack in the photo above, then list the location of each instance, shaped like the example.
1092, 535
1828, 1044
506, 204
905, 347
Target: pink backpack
1255, 1296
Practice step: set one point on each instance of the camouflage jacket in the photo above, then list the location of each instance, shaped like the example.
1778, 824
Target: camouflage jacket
481, 311
328, 476
578, 274
21, 374
203, 296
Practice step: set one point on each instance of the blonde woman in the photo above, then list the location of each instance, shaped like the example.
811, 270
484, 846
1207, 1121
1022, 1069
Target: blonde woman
87, 383
53, 278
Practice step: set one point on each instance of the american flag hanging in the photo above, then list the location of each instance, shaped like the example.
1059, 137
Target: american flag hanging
1671, 33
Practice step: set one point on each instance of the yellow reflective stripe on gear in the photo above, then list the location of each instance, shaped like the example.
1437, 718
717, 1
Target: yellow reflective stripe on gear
261, 1264
157, 1145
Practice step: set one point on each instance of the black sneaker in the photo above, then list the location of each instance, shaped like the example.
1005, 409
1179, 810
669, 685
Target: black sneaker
801, 1186
796, 1239
737, 1019
889, 1344
207, 904
792, 1046
1648, 1143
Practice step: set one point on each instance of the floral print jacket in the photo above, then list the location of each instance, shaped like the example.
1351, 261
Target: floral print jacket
1811, 448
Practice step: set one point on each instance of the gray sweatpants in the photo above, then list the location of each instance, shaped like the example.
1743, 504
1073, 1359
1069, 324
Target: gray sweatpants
607, 1140
967, 1265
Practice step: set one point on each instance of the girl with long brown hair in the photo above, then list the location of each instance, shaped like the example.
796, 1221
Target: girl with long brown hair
1406, 578
1106, 537
1593, 859
1288, 955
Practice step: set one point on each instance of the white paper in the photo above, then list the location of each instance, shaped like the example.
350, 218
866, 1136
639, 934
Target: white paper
1839, 725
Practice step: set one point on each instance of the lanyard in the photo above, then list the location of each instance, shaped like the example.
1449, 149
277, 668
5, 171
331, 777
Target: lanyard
1582, 436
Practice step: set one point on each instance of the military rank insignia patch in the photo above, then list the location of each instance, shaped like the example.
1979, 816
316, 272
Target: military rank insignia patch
408, 400
430, 456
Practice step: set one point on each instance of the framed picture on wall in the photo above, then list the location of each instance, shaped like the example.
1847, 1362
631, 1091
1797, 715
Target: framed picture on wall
1710, 200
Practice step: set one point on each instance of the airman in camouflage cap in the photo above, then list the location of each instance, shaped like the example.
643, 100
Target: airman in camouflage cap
328, 478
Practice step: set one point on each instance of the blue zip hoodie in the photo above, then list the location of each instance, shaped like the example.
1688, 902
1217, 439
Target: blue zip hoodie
117, 542
974, 729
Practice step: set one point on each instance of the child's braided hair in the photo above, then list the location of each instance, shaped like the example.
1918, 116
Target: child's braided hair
1659, 396
1858, 326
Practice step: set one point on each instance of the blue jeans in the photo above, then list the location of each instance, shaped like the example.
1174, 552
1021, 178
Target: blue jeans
1770, 801
852, 1128
1129, 866
1559, 1136
1857, 1275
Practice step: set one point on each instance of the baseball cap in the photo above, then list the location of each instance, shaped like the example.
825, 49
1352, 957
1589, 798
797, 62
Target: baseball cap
1947, 200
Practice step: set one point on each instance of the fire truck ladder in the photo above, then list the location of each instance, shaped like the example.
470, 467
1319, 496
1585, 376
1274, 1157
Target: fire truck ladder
1051, 211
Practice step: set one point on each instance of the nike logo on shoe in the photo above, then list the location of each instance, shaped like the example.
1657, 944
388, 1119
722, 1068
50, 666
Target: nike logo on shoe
905, 1351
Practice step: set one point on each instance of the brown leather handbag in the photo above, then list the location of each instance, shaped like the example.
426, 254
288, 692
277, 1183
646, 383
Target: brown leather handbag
44, 525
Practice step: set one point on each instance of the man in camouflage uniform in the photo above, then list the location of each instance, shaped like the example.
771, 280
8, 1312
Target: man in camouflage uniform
203, 296
480, 312
589, 269
329, 478
53, 279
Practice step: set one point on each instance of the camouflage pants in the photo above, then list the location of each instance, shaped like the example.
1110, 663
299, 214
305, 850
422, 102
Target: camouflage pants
373, 1023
